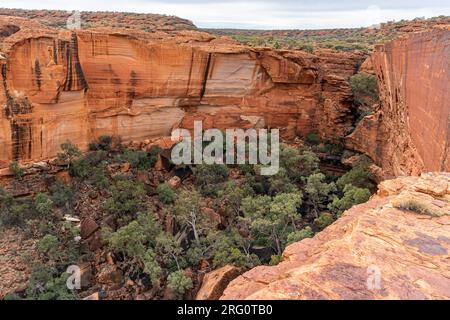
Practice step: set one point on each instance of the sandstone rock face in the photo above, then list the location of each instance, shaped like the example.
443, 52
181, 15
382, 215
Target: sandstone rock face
216, 281
374, 251
410, 133
77, 85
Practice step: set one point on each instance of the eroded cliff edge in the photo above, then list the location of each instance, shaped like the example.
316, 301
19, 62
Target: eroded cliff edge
77, 85
410, 132
375, 251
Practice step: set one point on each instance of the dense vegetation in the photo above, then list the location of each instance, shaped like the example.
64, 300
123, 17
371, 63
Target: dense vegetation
162, 236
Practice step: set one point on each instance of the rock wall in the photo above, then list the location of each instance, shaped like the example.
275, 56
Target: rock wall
59, 85
410, 133
374, 251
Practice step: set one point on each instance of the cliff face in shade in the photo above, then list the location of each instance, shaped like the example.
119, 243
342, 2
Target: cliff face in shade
374, 251
410, 133
77, 85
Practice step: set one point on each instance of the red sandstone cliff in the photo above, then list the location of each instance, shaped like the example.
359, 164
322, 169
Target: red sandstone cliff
59, 85
410, 132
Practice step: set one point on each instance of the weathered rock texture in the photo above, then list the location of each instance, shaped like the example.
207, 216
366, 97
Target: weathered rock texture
374, 251
77, 85
410, 133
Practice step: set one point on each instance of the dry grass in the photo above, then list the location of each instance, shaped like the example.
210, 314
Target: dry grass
417, 206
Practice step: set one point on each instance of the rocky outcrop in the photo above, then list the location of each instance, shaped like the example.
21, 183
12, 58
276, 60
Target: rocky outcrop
410, 133
215, 282
388, 248
77, 85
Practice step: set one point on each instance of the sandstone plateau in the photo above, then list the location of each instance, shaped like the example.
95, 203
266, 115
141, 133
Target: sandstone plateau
59, 85
409, 252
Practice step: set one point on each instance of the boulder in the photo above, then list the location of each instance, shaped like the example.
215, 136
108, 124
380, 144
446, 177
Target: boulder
174, 182
215, 282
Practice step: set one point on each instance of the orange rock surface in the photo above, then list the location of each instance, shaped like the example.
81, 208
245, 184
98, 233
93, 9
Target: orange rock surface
410, 133
77, 85
374, 251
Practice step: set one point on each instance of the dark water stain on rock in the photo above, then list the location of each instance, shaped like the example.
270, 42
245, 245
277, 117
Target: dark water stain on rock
427, 244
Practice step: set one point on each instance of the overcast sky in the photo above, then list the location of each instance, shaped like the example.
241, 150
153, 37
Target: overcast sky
260, 14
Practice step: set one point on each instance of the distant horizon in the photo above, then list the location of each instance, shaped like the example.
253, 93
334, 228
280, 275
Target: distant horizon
260, 14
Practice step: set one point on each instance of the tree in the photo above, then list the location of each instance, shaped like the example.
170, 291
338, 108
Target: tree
209, 178
359, 176
46, 283
43, 204
231, 196
104, 143
318, 191
324, 220
352, 196
271, 219
280, 183
300, 235
231, 248
298, 164
152, 267
16, 170
364, 86
69, 153
179, 282
313, 139
165, 193
12, 213
127, 198
62, 195
187, 212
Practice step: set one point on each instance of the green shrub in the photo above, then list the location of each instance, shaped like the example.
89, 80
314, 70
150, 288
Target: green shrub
271, 219
352, 196
133, 239
364, 86
43, 204
127, 198
179, 282
79, 168
300, 235
275, 259
16, 170
210, 178
359, 176
137, 159
69, 152
104, 143
12, 212
324, 220
62, 195
46, 283
318, 191
312, 139
231, 248
298, 164
165, 193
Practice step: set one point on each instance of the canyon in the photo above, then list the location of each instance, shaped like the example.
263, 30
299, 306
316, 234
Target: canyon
138, 85
60, 85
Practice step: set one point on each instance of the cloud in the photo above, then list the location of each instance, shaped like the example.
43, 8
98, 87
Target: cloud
262, 14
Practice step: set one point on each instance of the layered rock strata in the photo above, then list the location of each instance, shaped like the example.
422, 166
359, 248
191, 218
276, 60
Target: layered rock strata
410, 133
77, 85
